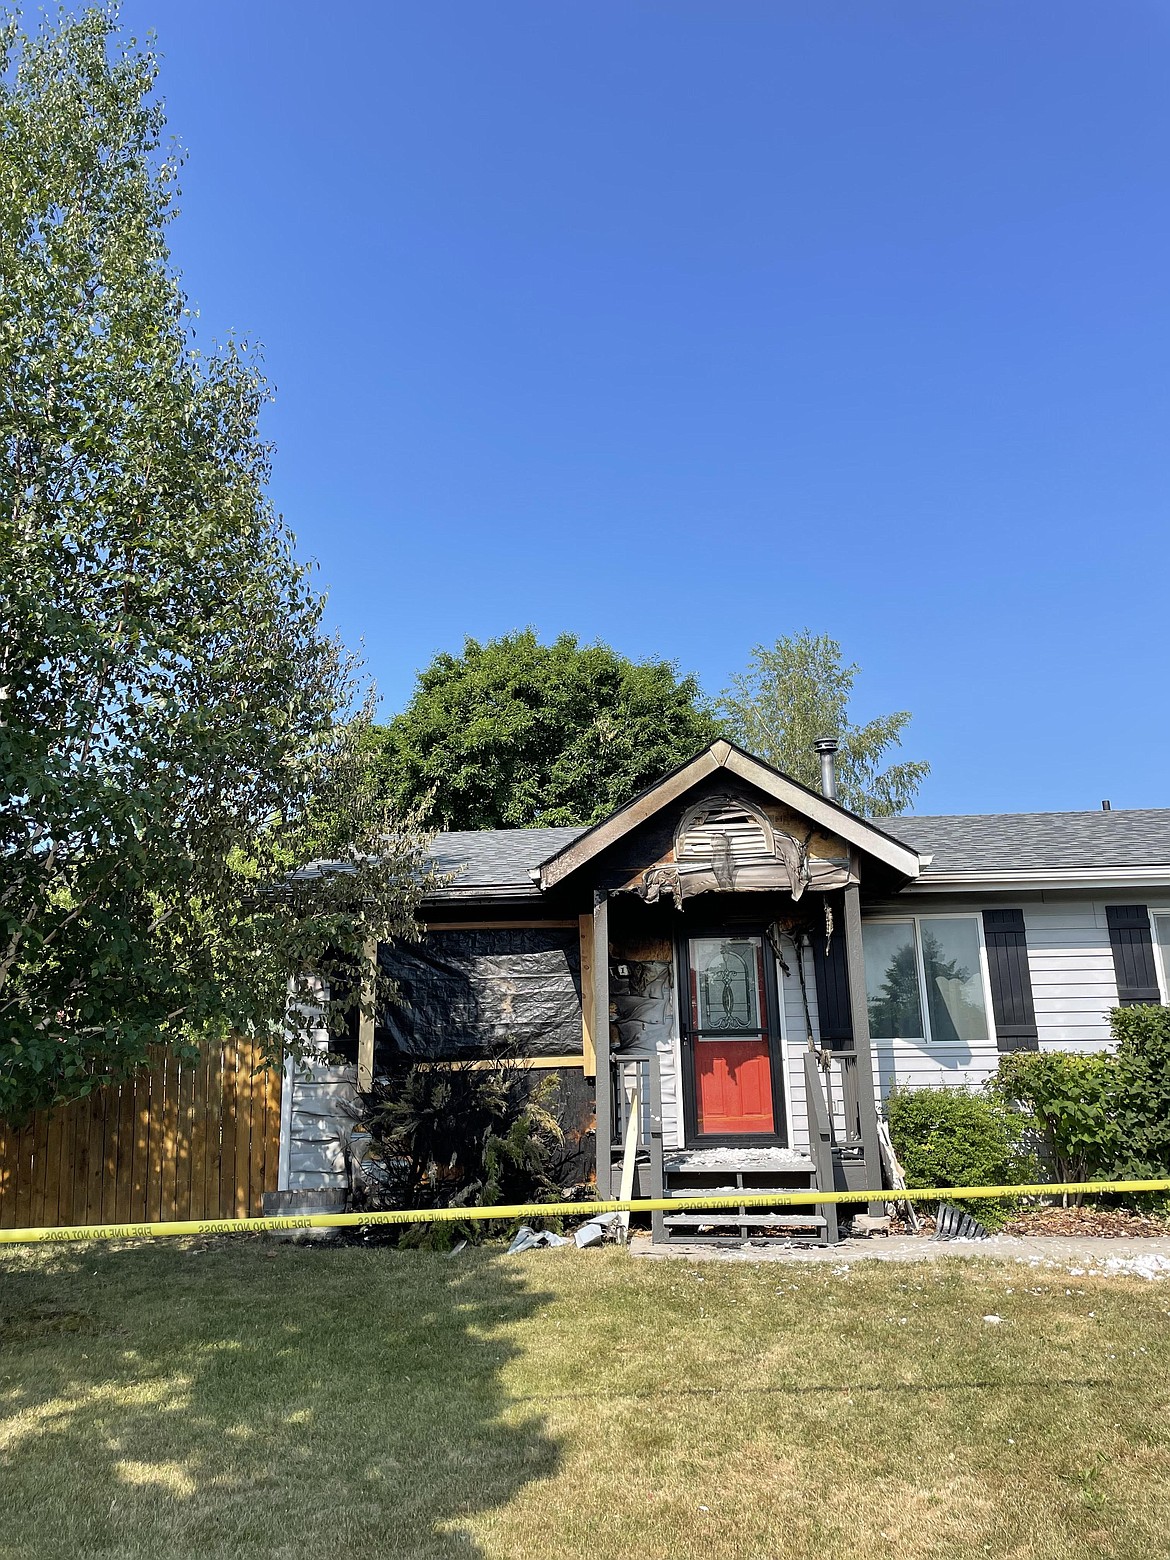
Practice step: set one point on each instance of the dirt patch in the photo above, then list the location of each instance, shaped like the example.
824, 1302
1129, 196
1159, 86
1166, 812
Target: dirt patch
38, 1321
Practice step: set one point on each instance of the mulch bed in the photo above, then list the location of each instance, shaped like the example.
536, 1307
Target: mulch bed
1052, 1219
1106, 1223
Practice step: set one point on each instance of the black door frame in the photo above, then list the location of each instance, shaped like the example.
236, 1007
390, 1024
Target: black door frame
692, 1137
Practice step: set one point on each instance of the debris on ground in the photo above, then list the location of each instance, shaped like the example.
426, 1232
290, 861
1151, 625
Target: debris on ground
953, 1224
868, 1224
1136, 1264
1146, 1265
596, 1231
528, 1239
1052, 1219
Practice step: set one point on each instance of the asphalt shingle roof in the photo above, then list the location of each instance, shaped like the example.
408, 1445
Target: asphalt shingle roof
503, 860
988, 842
496, 858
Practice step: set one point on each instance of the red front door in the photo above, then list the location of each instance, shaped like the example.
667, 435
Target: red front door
730, 1045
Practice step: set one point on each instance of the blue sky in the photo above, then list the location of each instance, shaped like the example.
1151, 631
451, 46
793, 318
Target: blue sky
685, 325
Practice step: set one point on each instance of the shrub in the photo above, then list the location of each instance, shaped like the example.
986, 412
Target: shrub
955, 1137
1142, 1091
1071, 1098
462, 1136
1101, 1117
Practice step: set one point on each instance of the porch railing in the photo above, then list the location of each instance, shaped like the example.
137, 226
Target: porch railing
842, 1092
636, 1113
845, 1086
820, 1133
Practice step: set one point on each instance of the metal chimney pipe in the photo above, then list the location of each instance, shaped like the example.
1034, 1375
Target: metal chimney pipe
827, 747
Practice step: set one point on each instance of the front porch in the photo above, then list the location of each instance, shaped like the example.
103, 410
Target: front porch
729, 1064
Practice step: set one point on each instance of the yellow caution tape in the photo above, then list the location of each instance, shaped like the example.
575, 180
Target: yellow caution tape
560, 1210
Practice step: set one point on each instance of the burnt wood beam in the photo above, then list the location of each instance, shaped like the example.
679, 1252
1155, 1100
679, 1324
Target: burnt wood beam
588, 1018
497, 926
657, 1169
367, 1017
859, 1012
600, 1016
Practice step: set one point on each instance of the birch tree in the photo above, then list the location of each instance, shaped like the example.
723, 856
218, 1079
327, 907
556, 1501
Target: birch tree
799, 689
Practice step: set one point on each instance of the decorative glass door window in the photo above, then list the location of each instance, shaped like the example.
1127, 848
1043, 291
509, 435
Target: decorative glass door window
730, 1044
924, 979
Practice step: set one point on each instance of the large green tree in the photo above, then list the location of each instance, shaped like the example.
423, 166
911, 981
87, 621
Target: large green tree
514, 733
798, 690
176, 731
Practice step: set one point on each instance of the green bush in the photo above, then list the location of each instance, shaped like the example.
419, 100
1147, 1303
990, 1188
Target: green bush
955, 1137
1141, 1103
1071, 1098
1101, 1117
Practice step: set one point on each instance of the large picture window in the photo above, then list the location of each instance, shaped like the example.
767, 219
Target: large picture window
924, 979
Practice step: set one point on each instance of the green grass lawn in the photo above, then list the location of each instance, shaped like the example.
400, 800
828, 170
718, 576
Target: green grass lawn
248, 1398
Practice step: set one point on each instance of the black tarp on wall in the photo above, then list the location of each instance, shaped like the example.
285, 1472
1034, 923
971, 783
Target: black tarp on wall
471, 994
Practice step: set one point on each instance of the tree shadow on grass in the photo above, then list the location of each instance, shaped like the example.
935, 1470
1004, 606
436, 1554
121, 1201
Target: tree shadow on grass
252, 1398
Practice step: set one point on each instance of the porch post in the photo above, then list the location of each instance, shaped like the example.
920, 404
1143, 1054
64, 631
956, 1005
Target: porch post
366, 1017
859, 1013
600, 1015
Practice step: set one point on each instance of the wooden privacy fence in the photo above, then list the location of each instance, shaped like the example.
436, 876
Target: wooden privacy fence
180, 1140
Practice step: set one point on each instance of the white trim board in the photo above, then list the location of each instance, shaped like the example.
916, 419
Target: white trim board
1042, 877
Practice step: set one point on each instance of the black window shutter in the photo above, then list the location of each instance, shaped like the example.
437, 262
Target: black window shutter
832, 977
1133, 954
1011, 984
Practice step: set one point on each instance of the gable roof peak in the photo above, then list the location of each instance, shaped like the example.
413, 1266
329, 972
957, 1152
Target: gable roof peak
854, 830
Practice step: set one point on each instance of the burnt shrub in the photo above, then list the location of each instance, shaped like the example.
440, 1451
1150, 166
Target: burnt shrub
457, 1135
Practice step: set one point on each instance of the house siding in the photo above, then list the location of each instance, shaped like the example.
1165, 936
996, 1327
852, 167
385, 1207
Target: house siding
794, 1028
320, 1122
1070, 964
316, 1119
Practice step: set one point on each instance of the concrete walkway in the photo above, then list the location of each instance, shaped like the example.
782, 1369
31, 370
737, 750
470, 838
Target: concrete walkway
1075, 1254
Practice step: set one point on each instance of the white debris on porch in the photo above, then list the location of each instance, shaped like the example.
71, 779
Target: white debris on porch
695, 1160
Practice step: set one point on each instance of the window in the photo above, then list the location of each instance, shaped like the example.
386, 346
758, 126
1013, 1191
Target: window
727, 984
1162, 943
891, 981
924, 979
